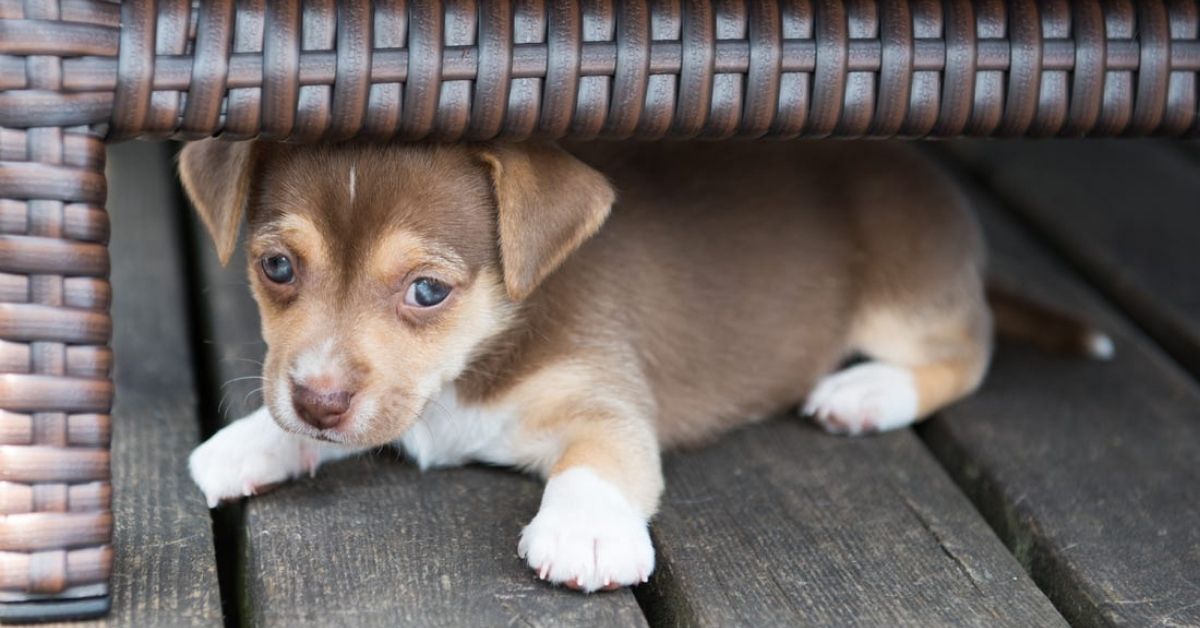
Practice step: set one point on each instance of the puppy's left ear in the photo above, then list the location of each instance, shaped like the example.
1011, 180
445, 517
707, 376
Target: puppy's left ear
549, 204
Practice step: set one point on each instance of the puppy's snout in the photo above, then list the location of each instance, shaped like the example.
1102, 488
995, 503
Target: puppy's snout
321, 408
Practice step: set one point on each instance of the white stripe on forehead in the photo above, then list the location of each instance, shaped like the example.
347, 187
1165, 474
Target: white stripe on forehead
353, 182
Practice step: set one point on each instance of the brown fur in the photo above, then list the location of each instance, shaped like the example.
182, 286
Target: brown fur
732, 300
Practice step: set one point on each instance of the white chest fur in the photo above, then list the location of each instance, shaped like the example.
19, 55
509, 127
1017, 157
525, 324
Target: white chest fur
451, 433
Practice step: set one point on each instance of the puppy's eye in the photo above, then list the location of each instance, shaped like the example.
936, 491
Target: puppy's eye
278, 268
426, 292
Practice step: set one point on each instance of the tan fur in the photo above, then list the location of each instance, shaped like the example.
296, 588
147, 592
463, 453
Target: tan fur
943, 383
597, 418
292, 233
700, 303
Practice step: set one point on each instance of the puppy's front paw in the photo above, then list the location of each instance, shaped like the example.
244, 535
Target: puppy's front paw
869, 397
587, 536
247, 457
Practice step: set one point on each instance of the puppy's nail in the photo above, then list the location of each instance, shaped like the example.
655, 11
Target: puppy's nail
310, 460
607, 582
545, 571
213, 501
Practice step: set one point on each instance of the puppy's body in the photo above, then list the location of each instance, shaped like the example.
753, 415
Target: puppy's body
728, 283
730, 300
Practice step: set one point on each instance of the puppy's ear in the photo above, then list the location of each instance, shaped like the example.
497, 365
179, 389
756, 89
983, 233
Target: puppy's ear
549, 203
216, 175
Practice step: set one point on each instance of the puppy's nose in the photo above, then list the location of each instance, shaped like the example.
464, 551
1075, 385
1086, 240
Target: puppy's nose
321, 408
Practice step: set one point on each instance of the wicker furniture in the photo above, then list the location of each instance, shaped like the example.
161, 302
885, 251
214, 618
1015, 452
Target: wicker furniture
77, 73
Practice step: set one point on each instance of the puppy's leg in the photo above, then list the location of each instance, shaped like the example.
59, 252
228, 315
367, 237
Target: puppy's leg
252, 454
591, 530
918, 364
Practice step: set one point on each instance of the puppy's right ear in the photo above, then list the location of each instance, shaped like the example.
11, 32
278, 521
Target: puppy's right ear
216, 175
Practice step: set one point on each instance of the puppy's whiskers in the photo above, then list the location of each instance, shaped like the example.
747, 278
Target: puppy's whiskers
246, 399
241, 379
250, 360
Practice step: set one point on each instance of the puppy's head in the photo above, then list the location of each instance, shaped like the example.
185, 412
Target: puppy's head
380, 271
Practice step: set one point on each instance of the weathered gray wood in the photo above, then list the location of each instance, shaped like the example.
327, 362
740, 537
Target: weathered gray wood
781, 524
1087, 470
372, 541
377, 543
165, 572
1125, 212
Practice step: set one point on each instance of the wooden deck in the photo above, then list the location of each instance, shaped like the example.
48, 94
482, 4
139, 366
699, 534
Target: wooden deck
1064, 492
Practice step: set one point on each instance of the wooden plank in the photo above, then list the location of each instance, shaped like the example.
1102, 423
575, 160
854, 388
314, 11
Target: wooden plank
375, 542
165, 571
1189, 149
782, 524
372, 541
1127, 213
1088, 470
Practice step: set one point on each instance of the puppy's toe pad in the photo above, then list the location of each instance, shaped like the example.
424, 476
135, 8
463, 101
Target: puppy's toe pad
864, 398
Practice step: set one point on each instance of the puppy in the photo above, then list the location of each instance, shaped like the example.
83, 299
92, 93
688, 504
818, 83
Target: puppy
496, 303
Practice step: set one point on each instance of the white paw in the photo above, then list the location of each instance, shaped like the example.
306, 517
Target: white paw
587, 536
869, 397
249, 455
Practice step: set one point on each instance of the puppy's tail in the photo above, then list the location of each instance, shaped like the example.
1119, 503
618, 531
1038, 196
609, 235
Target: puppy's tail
1025, 320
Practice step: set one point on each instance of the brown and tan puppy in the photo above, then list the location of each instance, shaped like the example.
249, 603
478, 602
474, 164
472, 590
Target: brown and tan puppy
509, 304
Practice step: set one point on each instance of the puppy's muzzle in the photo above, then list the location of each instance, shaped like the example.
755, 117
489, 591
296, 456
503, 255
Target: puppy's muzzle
321, 408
